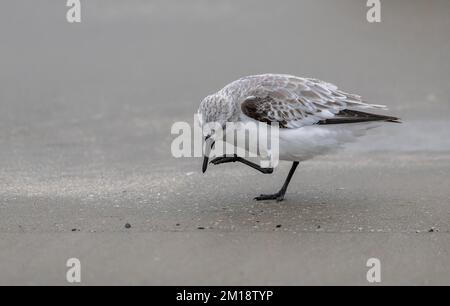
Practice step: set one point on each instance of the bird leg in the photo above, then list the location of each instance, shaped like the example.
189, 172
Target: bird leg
279, 196
235, 158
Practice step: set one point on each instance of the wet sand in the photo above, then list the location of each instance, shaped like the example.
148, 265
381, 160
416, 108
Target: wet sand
190, 229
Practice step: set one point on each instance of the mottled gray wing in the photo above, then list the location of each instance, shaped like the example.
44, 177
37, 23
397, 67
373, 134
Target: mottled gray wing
295, 102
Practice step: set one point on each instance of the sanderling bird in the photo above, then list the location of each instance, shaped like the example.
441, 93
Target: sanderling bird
314, 117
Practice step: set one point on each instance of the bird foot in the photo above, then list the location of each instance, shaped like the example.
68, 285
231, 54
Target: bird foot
276, 196
223, 160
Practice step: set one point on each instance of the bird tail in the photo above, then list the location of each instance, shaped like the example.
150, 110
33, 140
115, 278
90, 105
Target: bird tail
353, 116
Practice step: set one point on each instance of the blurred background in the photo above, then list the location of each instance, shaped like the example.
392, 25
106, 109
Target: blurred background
85, 117
106, 91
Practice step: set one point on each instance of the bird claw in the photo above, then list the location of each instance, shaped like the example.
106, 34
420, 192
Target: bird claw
265, 197
222, 160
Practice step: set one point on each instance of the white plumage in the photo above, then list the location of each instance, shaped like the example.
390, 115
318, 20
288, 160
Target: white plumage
315, 117
298, 105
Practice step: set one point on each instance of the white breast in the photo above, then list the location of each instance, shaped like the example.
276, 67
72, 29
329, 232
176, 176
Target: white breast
307, 142
299, 144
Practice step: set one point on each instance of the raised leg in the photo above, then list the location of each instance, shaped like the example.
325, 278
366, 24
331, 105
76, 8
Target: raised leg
279, 196
235, 158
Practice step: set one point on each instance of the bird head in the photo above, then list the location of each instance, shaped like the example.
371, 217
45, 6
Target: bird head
214, 111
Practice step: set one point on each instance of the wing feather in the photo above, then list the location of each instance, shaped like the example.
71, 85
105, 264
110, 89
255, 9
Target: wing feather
294, 102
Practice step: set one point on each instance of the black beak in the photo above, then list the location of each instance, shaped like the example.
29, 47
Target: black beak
209, 143
205, 163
